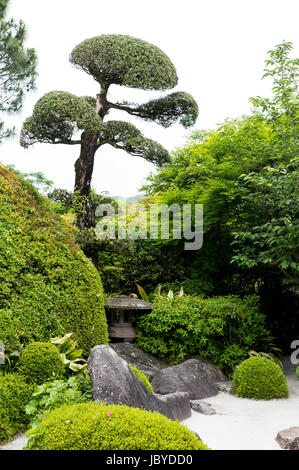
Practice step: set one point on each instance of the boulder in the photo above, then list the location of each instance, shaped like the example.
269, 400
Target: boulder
289, 438
202, 407
114, 382
146, 362
197, 377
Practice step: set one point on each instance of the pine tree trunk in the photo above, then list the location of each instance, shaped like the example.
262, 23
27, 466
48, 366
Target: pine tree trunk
84, 169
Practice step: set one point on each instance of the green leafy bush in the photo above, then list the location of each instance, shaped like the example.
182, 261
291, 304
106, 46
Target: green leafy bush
142, 377
97, 426
14, 394
40, 362
9, 332
223, 329
259, 378
46, 281
70, 354
51, 395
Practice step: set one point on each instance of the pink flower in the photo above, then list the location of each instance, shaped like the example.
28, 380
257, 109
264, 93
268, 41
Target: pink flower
109, 414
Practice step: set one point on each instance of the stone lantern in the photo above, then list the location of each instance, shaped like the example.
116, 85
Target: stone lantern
121, 311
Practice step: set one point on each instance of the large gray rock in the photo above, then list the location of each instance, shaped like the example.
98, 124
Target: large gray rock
114, 382
289, 438
146, 362
197, 377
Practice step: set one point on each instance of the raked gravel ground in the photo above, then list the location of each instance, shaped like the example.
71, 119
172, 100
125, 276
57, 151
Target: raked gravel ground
243, 424
239, 423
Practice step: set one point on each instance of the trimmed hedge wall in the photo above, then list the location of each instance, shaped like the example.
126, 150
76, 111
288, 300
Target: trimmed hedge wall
46, 282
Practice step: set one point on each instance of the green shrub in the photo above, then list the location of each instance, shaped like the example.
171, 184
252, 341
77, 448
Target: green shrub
40, 362
14, 395
50, 395
10, 332
259, 378
97, 426
222, 329
142, 377
47, 283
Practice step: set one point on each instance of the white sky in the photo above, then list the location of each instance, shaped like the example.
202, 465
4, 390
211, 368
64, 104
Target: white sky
217, 46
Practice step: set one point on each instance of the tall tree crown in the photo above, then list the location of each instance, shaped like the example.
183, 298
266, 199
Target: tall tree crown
110, 59
124, 60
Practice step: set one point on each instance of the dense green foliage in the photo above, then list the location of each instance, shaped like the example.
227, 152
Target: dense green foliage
245, 173
10, 329
71, 356
40, 362
268, 235
125, 136
142, 377
56, 117
50, 395
259, 378
46, 281
14, 395
124, 60
97, 426
222, 329
17, 66
178, 106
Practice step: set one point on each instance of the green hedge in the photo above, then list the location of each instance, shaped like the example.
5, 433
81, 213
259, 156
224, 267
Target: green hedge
14, 396
10, 329
97, 426
222, 329
40, 362
259, 378
46, 282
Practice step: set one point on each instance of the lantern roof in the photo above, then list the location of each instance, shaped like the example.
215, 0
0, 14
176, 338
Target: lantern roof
124, 302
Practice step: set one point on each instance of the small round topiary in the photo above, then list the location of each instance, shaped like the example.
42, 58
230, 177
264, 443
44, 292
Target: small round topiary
15, 393
141, 375
97, 426
259, 378
40, 362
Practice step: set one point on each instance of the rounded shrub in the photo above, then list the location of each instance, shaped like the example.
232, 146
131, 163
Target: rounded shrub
97, 426
47, 283
259, 378
141, 375
15, 393
40, 362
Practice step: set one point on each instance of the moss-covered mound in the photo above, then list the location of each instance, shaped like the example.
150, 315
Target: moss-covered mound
259, 378
46, 282
97, 426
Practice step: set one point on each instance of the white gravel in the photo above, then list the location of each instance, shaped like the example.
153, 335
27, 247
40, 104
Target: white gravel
18, 443
243, 424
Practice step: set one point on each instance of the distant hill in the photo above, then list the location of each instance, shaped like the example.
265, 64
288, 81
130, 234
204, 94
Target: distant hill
129, 199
